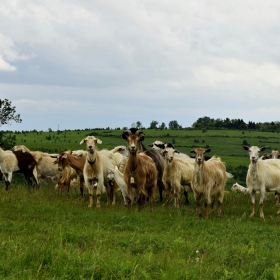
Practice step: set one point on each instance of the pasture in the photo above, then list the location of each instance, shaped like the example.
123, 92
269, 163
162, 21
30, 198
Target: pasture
226, 144
44, 235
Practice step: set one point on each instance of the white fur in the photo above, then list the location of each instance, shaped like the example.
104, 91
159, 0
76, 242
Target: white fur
237, 187
96, 169
117, 175
262, 175
177, 173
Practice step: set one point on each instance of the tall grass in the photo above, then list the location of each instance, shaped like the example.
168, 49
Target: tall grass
47, 236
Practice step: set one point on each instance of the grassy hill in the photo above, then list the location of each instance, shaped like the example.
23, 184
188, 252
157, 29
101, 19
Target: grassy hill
226, 144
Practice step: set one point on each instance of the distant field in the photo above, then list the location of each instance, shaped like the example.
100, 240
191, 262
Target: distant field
226, 144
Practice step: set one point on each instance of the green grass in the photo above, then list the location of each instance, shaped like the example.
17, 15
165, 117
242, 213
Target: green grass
46, 236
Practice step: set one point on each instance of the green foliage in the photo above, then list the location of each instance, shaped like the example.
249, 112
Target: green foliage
138, 125
8, 112
8, 140
174, 125
7, 115
162, 126
153, 125
207, 122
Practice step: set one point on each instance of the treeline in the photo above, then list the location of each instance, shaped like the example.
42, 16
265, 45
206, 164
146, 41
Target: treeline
210, 123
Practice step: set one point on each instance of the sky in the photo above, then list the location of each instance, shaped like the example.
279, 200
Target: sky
77, 64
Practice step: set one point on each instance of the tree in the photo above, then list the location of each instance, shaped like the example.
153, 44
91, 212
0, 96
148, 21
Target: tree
138, 125
162, 126
174, 125
153, 125
7, 112
7, 115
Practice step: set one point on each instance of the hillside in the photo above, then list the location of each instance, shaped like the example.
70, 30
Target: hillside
226, 144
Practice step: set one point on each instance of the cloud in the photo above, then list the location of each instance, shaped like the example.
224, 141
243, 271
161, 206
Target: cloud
5, 66
120, 62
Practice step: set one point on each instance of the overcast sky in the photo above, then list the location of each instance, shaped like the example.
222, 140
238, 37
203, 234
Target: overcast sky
78, 64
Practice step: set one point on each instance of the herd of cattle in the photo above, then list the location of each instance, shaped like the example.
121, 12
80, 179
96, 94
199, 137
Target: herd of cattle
139, 172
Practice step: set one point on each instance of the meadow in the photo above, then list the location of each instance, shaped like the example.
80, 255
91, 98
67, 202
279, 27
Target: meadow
44, 235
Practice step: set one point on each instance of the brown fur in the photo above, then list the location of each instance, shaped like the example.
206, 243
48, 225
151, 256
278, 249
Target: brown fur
143, 170
76, 162
208, 181
67, 175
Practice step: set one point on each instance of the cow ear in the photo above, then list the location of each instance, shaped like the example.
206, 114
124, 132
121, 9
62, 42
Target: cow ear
263, 148
192, 151
246, 148
208, 150
64, 156
83, 141
175, 151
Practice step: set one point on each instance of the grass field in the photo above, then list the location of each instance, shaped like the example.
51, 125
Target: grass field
46, 236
